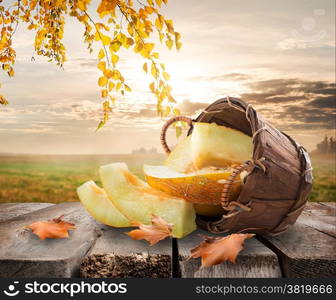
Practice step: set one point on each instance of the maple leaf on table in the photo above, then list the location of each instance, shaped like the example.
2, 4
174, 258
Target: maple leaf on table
215, 250
157, 231
54, 229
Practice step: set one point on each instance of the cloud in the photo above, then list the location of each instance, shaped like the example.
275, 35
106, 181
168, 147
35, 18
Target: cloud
235, 76
189, 108
324, 102
294, 104
87, 62
305, 43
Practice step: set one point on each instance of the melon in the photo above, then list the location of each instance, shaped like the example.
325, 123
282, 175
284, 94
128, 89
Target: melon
179, 159
203, 186
96, 202
138, 201
215, 145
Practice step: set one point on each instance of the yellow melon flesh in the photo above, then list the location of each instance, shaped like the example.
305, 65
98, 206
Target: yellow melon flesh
138, 201
179, 159
99, 206
214, 145
203, 187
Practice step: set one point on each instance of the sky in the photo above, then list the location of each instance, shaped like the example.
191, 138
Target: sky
277, 55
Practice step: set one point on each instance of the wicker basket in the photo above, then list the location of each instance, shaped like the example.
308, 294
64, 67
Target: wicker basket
279, 179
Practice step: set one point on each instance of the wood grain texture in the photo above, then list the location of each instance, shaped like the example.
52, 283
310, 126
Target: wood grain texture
23, 254
12, 210
254, 261
321, 216
116, 255
305, 252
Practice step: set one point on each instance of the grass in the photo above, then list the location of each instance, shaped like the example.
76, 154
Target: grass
324, 186
47, 178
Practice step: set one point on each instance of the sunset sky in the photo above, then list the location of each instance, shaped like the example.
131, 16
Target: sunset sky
277, 55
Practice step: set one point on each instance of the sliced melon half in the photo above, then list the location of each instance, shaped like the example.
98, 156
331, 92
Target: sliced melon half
214, 145
136, 200
203, 187
99, 206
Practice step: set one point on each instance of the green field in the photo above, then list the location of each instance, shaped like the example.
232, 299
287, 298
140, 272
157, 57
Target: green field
47, 178
324, 187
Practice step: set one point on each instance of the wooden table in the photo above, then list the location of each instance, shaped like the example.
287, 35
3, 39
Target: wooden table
307, 249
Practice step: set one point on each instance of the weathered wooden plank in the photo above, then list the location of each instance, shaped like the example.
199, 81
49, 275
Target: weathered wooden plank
305, 252
12, 210
329, 204
116, 255
23, 254
319, 216
255, 260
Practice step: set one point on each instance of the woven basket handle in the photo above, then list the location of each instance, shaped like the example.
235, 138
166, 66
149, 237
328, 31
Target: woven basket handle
226, 191
166, 126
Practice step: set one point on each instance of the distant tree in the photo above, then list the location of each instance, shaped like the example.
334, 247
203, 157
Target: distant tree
328, 145
332, 145
120, 24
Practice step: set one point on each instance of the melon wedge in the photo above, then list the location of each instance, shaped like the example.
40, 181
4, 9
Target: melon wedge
179, 159
136, 200
99, 206
203, 187
214, 145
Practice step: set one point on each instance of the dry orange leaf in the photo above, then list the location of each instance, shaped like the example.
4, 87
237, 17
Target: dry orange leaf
154, 233
215, 250
54, 229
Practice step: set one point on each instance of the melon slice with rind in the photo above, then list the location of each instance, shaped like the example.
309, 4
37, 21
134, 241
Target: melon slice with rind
220, 146
96, 202
136, 200
203, 186
179, 159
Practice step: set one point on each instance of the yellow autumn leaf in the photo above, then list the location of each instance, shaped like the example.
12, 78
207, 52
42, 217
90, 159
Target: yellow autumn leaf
81, 5
115, 46
114, 59
154, 71
166, 76
152, 87
149, 47
104, 93
110, 86
144, 67
101, 54
169, 44
11, 72
101, 66
158, 24
118, 86
176, 111
170, 26
158, 2
32, 26
108, 73
102, 81
129, 41
138, 47
105, 39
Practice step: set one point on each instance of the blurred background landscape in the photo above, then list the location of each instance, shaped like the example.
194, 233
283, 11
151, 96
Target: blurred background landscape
54, 178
